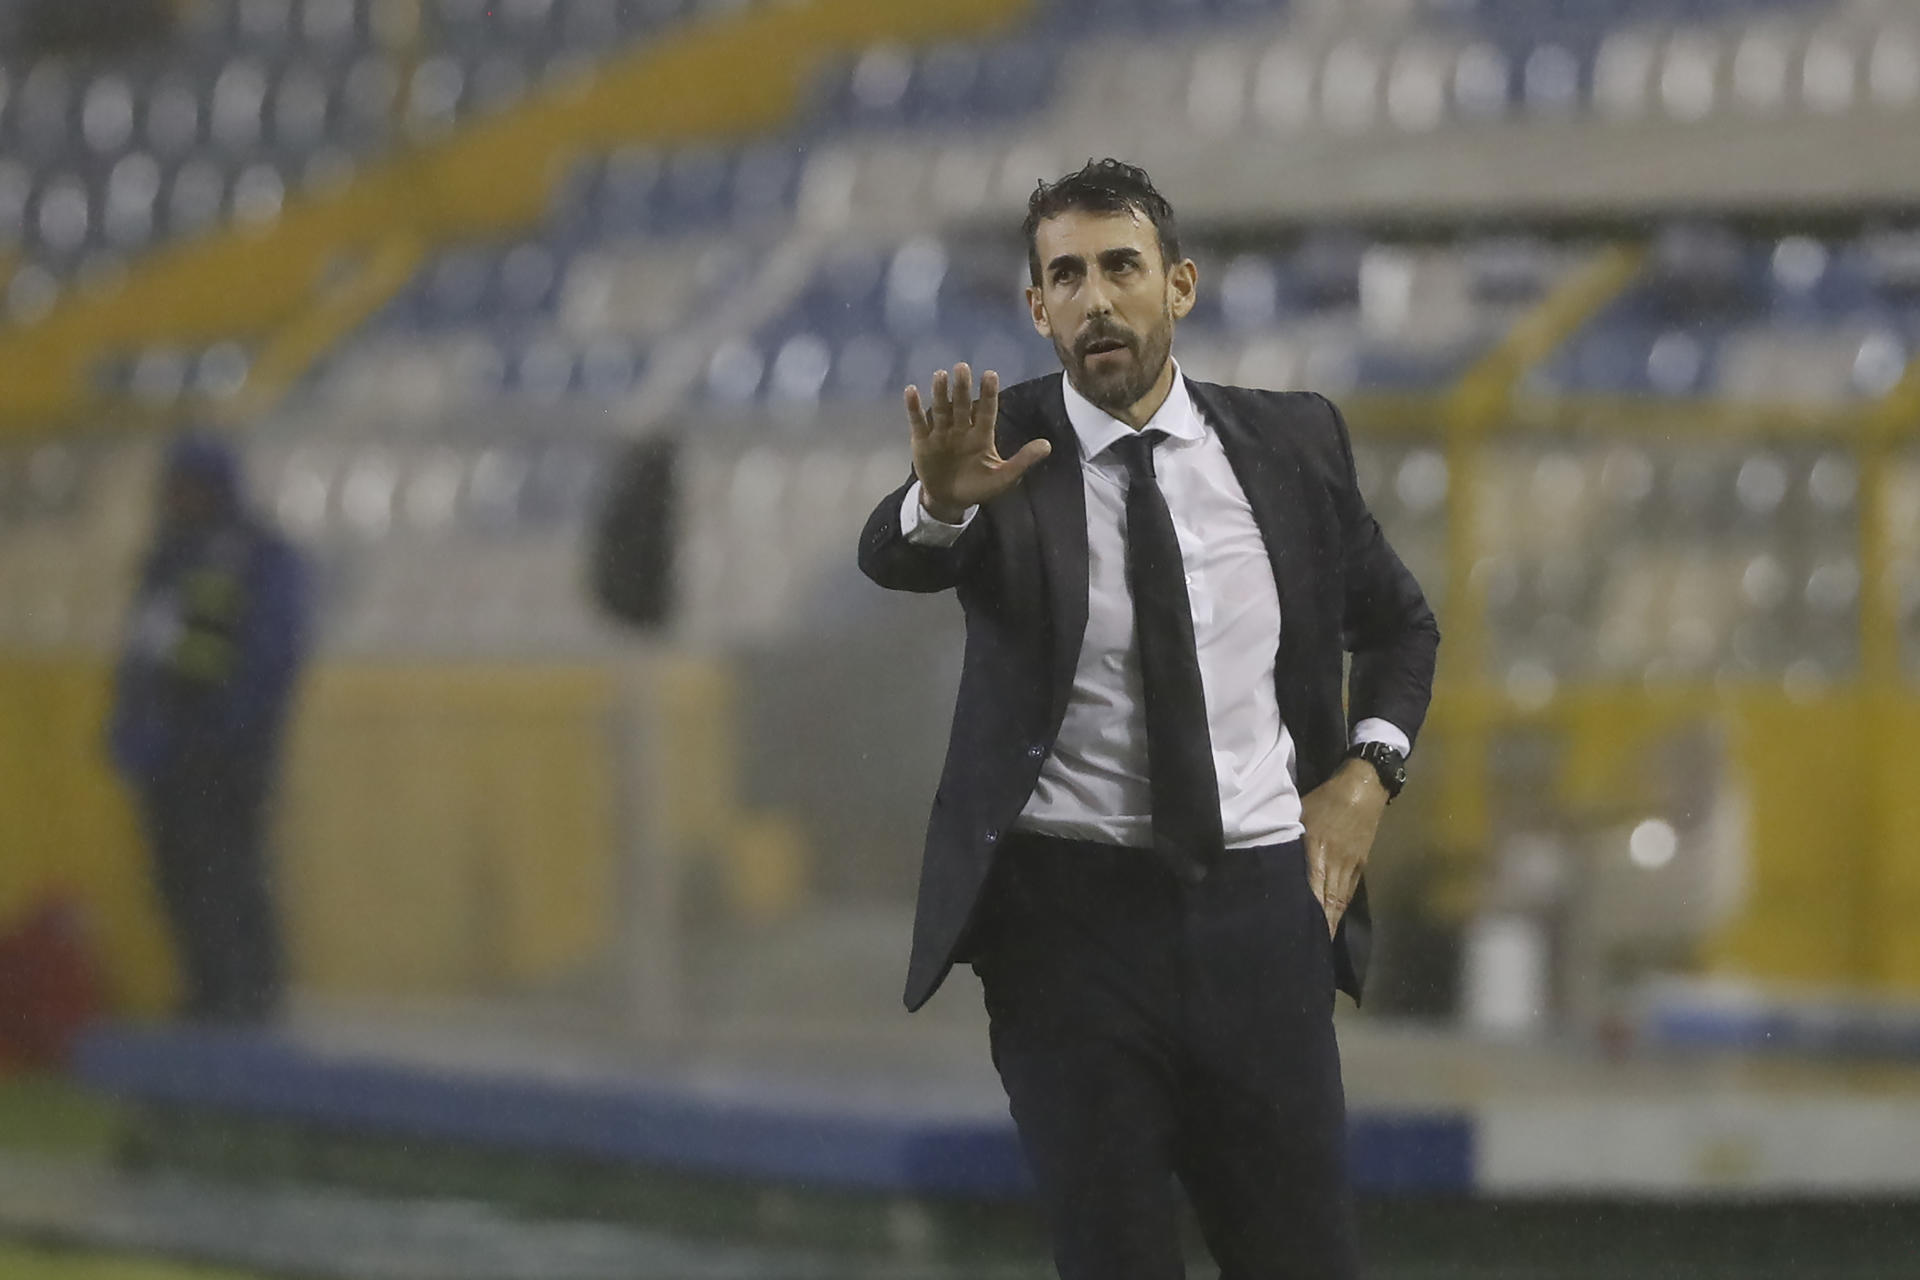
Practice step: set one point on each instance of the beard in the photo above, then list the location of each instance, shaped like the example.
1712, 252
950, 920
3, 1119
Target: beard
1113, 383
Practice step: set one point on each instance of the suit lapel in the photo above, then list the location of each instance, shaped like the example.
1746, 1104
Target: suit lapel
1059, 501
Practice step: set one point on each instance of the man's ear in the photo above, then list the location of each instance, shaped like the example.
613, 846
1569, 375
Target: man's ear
1183, 282
1038, 306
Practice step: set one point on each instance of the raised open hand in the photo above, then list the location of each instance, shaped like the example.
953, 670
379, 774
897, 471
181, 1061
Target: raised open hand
953, 447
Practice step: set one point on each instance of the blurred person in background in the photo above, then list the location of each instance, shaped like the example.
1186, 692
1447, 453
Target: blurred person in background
1150, 830
213, 648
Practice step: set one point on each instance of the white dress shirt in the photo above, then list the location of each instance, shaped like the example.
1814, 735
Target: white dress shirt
1093, 785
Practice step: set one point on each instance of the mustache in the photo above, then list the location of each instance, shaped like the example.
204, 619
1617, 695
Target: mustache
1104, 331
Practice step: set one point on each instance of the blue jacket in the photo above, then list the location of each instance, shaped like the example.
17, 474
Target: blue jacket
215, 638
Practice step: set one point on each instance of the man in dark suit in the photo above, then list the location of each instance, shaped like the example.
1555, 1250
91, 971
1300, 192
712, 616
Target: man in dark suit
1149, 834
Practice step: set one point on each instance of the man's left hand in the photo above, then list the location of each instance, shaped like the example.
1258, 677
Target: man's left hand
1341, 816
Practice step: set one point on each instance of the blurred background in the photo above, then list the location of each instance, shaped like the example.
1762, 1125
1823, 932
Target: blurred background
562, 340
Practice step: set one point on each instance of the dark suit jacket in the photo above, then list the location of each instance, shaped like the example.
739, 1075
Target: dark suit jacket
1021, 573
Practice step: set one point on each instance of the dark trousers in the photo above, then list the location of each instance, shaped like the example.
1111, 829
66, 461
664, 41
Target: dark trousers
1145, 1028
205, 825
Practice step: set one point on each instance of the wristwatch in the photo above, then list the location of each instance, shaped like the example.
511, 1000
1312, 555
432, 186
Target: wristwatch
1390, 764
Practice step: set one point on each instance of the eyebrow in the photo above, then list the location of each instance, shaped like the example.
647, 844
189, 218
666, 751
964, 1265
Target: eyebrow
1108, 258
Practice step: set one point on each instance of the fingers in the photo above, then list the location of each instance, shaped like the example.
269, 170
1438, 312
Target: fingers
961, 381
951, 406
1030, 452
917, 415
941, 414
986, 411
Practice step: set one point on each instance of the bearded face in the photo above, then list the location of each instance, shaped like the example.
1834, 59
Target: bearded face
1108, 302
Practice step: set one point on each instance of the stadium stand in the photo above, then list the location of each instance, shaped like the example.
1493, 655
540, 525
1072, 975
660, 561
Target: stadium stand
1641, 425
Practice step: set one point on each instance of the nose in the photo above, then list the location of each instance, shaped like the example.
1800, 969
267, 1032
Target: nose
1098, 303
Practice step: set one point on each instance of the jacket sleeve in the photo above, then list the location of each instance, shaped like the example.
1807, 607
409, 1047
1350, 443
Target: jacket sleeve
897, 564
1386, 623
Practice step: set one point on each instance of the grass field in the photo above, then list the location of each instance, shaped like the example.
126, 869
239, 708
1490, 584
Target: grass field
48, 1116
17, 1263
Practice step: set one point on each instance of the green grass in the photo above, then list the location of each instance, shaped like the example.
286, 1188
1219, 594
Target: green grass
50, 1116
18, 1263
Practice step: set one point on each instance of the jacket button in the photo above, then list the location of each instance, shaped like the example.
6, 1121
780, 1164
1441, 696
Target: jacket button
992, 835
1036, 750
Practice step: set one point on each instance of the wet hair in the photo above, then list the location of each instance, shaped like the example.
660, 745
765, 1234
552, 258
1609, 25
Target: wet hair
1101, 186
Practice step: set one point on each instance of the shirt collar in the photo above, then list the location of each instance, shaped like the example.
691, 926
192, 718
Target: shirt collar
1097, 429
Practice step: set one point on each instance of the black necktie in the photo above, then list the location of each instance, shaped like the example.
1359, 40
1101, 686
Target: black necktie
1186, 794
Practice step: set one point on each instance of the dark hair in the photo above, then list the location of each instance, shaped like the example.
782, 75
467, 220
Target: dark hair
1101, 186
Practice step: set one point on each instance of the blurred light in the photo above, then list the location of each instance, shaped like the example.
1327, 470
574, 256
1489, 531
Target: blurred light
1833, 481
239, 93
914, 279
1283, 88
1559, 481
198, 189
1674, 363
881, 76
1530, 684
1653, 844
1761, 484
1880, 363
1480, 82
1764, 582
302, 502
1249, 292
1350, 86
1387, 277
1833, 585
1799, 263
800, 369
63, 214
435, 92
1827, 75
1497, 578
222, 370
1422, 480
257, 195
733, 372
495, 484
1551, 79
1621, 71
106, 118
1626, 477
366, 496
1687, 76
